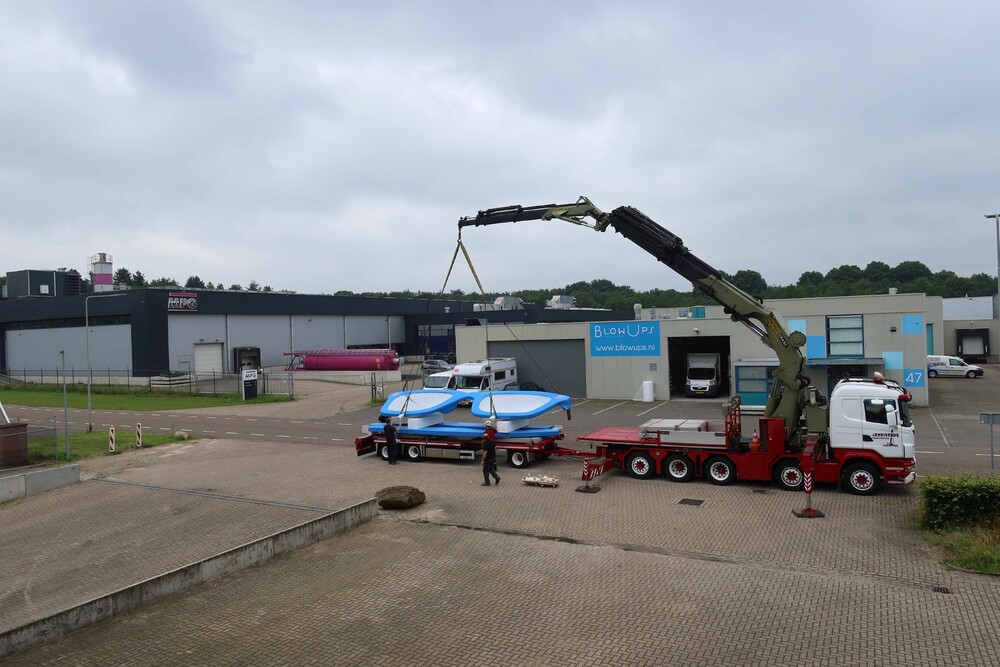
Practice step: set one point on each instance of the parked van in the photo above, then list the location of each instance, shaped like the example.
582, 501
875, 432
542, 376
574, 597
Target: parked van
940, 364
484, 375
439, 380
703, 375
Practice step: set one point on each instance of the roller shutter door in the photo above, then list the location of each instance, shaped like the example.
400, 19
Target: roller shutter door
208, 358
555, 365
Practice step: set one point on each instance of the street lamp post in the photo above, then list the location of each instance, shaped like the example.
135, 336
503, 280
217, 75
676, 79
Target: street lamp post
90, 372
62, 353
996, 219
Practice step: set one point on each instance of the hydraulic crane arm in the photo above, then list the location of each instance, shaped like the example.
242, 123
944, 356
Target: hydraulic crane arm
787, 397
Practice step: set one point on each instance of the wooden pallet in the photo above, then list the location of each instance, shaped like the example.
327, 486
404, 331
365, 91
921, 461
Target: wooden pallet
540, 480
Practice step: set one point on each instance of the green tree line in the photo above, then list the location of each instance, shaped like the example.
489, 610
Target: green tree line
846, 280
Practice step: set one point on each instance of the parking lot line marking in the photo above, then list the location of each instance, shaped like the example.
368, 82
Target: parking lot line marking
652, 408
940, 430
309, 437
994, 455
210, 417
341, 424
586, 400
612, 407
337, 439
921, 452
258, 434
251, 419
231, 433
296, 421
282, 436
209, 431
164, 428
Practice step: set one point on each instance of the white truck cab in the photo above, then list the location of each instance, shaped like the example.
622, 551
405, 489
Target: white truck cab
871, 416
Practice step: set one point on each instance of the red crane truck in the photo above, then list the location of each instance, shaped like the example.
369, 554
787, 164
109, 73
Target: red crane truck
862, 437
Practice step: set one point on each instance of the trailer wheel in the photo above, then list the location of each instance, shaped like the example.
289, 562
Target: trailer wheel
383, 451
517, 459
720, 470
412, 452
678, 468
640, 465
932, 373
862, 479
788, 475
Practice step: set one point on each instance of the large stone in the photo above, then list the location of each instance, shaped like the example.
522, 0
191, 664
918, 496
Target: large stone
399, 497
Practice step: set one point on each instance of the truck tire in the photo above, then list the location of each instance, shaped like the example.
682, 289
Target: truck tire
383, 452
720, 470
678, 468
517, 459
788, 475
932, 373
412, 452
862, 479
640, 465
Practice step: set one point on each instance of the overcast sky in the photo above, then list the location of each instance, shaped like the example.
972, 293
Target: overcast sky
316, 146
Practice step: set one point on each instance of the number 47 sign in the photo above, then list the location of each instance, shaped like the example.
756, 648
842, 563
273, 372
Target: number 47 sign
914, 377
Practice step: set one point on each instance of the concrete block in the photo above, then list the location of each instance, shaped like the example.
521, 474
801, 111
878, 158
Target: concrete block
11, 487
51, 478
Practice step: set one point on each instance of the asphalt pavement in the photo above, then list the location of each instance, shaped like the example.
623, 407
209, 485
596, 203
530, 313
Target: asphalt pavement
643, 572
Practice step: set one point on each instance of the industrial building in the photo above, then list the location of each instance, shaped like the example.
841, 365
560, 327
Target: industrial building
46, 322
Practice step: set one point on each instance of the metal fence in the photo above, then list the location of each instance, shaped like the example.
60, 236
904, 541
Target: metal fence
281, 384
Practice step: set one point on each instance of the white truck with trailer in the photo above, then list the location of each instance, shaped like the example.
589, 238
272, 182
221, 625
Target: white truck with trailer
862, 438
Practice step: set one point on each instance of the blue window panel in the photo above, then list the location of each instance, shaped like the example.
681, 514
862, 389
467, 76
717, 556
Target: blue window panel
797, 325
698, 311
893, 360
913, 324
914, 377
816, 347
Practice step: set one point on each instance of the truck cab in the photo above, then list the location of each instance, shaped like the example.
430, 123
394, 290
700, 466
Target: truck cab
871, 416
703, 375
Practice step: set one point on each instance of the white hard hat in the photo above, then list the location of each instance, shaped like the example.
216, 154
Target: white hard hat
489, 422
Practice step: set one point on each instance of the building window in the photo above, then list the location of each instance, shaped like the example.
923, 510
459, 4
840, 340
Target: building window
845, 336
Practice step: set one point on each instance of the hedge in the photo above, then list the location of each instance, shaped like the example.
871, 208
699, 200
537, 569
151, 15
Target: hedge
958, 501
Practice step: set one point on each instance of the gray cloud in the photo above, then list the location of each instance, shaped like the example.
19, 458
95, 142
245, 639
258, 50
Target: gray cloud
319, 146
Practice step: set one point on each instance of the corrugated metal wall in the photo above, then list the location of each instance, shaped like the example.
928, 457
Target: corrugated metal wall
556, 365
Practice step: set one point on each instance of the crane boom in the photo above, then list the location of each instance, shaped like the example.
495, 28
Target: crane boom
787, 397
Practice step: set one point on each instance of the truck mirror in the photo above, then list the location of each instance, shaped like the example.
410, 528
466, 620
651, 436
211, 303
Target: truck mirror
891, 415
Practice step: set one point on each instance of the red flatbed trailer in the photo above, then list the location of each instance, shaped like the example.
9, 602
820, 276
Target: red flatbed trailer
667, 447
520, 452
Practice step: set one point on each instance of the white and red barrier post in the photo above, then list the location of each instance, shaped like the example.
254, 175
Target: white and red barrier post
111, 440
809, 512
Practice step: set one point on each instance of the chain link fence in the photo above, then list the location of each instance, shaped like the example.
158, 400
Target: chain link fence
281, 384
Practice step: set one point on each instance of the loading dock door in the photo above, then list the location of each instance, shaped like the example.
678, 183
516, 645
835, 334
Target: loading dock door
208, 358
555, 365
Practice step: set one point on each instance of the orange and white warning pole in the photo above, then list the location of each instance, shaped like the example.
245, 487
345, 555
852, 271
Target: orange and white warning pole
111, 440
138, 435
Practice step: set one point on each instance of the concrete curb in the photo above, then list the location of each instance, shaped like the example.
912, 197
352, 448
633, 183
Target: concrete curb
125, 599
37, 481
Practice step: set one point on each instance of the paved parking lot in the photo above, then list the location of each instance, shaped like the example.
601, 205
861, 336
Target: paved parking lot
508, 575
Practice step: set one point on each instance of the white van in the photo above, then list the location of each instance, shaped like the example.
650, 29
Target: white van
438, 380
940, 364
484, 375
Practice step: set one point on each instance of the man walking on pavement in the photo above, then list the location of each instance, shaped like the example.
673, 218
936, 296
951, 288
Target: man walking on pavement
489, 453
390, 440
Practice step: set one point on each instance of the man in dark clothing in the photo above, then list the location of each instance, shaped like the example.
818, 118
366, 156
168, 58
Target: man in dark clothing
390, 440
489, 453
